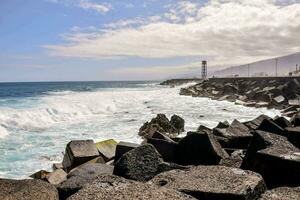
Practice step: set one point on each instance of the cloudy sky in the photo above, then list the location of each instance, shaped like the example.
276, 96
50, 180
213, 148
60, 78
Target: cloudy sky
56, 40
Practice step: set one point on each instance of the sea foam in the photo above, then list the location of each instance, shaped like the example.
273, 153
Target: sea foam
34, 136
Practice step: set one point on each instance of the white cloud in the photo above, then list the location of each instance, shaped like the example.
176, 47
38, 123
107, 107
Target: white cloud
85, 4
88, 5
227, 32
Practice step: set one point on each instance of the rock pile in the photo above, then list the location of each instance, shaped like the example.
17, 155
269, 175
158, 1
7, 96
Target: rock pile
254, 160
279, 93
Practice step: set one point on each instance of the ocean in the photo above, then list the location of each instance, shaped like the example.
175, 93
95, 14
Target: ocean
37, 120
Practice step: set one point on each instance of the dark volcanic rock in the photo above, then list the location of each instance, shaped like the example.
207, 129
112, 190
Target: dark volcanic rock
177, 122
79, 152
282, 193
224, 124
237, 135
268, 125
124, 147
161, 124
296, 120
27, 190
282, 122
275, 158
80, 176
293, 134
199, 149
141, 164
213, 183
254, 124
117, 188
167, 149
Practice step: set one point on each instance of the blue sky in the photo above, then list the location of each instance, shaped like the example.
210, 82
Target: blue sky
57, 40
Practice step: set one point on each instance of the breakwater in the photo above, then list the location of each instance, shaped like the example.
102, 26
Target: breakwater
281, 93
253, 160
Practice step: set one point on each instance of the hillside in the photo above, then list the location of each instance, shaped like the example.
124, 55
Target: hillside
285, 65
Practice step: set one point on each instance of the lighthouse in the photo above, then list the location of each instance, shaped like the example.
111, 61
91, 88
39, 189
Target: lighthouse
204, 69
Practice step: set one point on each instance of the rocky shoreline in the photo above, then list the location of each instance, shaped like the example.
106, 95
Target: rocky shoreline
280, 93
258, 159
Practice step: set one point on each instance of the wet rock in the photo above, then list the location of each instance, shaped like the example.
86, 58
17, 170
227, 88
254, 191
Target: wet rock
296, 120
282, 193
293, 134
107, 149
141, 164
81, 176
275, 158
79, 152
224, 124
124, 147
177, 122
166, 148
282, 122
161, 124
202, 128
27, 190
237, 135
117, 188
56, 177
254, 124
199, 149
213, 183
268, 125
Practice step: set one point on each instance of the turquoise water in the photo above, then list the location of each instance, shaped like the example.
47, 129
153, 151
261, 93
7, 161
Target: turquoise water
37, 120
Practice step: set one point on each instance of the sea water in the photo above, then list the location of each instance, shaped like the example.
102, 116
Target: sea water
37, 120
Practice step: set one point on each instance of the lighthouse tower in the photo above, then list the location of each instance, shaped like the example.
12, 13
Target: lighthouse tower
204, 69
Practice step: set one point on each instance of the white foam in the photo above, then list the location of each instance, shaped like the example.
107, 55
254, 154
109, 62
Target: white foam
3, 132
43, 128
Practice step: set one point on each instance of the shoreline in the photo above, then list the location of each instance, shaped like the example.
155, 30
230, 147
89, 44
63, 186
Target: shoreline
232, 150
281, 93
260, 157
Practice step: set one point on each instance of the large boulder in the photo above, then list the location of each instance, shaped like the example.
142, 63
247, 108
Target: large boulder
79, 152
293, 134
142, 164
78, 177
213, 183
166, 148
275, 158
268, 125
237, 135
124, 147
161, 124
27, 190
107, 149
254, 124
199, 149
282, 122
177, 122
57, 176
282, 193
117, 188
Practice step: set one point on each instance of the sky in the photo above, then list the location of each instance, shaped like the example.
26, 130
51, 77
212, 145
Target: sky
91, 40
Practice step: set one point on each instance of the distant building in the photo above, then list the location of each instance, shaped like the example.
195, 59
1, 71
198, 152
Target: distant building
296, 72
